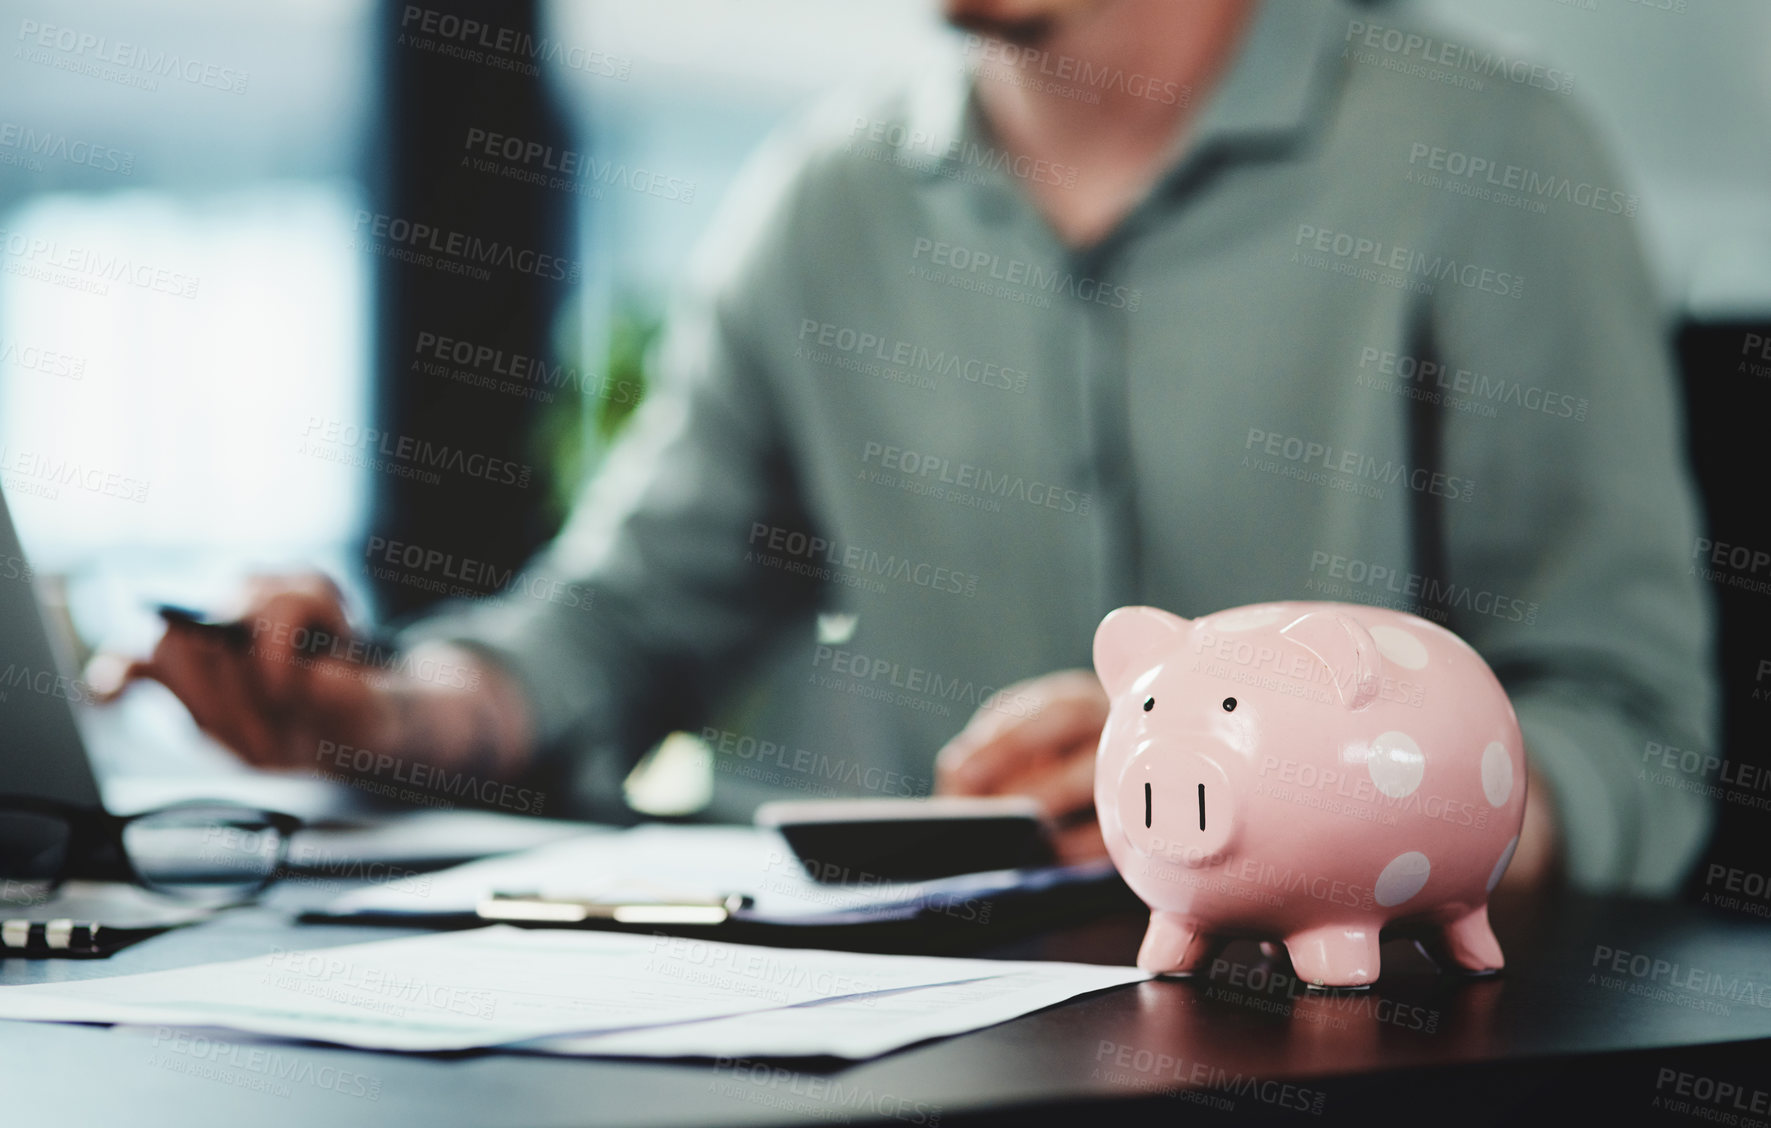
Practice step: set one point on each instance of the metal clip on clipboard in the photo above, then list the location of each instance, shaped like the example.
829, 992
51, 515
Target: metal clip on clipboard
532, 908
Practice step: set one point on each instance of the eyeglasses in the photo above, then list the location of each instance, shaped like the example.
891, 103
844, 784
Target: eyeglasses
209, 850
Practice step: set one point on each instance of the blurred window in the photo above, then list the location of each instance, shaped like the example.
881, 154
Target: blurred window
179, 290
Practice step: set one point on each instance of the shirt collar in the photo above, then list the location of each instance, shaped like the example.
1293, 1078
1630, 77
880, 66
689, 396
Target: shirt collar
1276, 88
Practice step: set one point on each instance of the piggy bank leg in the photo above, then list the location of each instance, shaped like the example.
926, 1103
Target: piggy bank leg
1470, 943
1174, 945
1335, 955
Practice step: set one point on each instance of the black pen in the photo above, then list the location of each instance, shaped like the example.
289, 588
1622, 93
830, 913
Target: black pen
372, 649
234, 632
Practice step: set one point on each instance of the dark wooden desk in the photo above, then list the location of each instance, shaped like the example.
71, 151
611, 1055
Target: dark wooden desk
1610, 1010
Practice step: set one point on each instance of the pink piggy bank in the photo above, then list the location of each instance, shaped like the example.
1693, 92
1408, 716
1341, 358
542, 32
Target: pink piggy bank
1310, 772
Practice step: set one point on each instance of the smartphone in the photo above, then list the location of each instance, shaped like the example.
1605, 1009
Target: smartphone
858, 841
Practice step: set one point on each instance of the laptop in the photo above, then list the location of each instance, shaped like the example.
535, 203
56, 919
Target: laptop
41, 750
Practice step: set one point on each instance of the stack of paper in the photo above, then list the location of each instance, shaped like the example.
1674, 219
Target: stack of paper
695, 862
572, 992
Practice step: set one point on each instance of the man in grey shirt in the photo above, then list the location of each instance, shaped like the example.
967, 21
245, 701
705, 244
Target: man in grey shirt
1190, 305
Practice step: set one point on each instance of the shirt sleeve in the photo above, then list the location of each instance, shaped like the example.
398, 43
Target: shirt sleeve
1582, 514
642, 611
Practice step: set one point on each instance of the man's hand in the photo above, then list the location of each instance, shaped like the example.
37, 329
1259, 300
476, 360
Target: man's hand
259, 694
1537, 862
298, 677
1045, 749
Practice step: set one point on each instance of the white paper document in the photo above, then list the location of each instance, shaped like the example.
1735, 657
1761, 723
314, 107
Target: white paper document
694, 862
861, 1027
557, 990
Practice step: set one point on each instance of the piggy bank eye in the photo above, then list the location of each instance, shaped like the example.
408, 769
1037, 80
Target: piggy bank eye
1229, 704
1149, 704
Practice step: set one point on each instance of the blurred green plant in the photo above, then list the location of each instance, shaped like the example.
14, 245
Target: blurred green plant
579, 425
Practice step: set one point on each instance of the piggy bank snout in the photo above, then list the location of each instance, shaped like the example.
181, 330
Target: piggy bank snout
1176, 805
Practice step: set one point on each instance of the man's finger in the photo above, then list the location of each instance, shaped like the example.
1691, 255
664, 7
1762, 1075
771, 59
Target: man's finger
972, 766
288, 628
1062, 787
108, 674
1068, 786
208, 676
313, 588
1026, 700
1536, 860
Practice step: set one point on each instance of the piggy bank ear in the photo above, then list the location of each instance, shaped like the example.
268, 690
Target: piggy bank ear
1130, 640
1346, 648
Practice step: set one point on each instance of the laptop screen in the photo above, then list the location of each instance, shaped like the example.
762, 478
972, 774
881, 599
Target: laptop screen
41, 752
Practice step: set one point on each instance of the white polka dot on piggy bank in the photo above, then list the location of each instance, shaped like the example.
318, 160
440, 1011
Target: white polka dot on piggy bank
1311, 773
